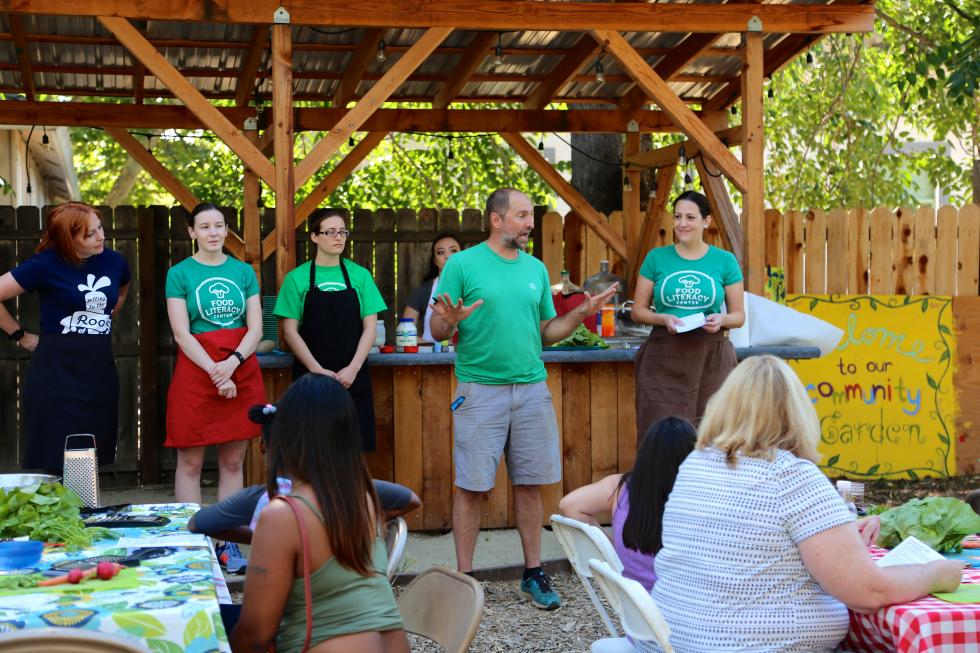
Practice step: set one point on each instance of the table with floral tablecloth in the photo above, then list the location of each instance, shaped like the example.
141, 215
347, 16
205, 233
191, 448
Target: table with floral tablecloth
929, 624
169, 603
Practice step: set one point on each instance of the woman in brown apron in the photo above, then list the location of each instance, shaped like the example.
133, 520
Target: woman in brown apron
216, 317
329, 308
677, 370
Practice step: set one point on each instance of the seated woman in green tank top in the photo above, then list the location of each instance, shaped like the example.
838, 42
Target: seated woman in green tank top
315, 440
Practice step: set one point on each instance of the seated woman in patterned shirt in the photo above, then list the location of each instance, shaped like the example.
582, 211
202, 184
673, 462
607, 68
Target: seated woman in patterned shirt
759, 552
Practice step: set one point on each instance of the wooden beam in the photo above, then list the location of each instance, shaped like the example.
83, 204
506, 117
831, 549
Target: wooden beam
631, 194
723, 210
684, 53
139, 82
153, 166
667, 154
500, 15
579, 204
329, 184
657, 88
213, 119
23, 56
370, 103
166, 179
357, 64
584, 51
249, 70
94, 114
655, 205
282, 127
753, 152
468, 64
251, 217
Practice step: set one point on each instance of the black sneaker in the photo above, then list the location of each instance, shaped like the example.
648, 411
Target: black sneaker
540, 592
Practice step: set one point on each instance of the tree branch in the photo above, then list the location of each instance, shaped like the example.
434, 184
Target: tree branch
918, 36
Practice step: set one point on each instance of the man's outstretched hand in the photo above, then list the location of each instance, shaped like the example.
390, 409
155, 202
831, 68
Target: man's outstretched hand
452, 313
592, 304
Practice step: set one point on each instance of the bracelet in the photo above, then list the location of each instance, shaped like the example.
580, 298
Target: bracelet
237, 354
16, 335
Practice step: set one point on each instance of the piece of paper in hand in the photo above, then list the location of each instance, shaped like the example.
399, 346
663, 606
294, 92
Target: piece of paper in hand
692, 322
912, 551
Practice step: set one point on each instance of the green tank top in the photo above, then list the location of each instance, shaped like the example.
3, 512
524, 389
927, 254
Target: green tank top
344, 602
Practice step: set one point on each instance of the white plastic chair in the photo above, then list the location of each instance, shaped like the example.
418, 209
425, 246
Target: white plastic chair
396, 536
638, 613
581, 543
444, 606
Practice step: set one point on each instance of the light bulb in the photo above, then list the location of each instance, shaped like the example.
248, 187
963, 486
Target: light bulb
600, 73
498, 55
381, 50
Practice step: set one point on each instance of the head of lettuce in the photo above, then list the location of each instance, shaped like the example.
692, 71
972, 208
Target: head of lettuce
940, 522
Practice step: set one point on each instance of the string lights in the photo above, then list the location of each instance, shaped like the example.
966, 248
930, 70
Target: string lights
381, 51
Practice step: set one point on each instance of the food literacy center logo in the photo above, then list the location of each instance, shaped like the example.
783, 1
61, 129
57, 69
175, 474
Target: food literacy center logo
687, 289
220, 301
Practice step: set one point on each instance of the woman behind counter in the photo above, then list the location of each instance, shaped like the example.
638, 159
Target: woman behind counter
329, 308
676, 373
216, 318
759, 552
72, 385
419, 302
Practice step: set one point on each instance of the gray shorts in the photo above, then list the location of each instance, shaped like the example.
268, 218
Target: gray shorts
517, 420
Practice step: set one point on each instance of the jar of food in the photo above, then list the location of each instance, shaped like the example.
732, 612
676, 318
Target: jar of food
406, 334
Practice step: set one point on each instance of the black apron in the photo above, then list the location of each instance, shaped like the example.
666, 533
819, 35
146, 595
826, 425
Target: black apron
331, 329
71, 387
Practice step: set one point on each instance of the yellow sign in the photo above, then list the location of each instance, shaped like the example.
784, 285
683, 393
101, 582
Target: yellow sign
885, 395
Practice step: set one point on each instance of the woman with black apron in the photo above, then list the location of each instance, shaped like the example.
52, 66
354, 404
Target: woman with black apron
329, 308
72, 385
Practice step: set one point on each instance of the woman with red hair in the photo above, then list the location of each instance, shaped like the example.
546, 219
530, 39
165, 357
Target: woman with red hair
72, 385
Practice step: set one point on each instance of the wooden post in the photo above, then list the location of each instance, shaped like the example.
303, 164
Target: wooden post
151, 439
282, 115
631, 194
251, 220
753, 152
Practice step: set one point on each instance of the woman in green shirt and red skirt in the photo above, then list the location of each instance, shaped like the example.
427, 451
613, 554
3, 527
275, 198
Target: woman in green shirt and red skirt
216, 317
678, 370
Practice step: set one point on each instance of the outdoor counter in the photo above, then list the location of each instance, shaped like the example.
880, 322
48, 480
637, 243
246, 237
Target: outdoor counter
592, 393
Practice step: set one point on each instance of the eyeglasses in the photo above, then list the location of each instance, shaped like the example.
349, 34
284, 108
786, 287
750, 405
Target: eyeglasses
333, 233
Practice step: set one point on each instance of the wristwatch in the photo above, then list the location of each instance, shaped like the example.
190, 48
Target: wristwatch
237, 354
16, 335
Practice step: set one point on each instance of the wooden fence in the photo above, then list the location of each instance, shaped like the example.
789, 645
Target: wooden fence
393, 244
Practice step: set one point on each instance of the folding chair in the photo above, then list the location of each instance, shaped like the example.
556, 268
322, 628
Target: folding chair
66, 640
581, 543
638, 613
396, 537
443, 605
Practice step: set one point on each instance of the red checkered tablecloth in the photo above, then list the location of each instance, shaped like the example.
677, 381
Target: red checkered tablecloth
928, 624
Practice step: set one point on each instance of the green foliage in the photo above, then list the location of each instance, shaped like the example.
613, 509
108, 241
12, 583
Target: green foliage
940, 522
582, 337
838, 129
48, 512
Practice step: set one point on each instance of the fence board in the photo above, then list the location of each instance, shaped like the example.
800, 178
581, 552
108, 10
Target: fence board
9, 353
837, 254
362, 251
551, 244
947, 223
924, 251
413, 257
448, 220
882, 266
793, 252
384, 267
774, 238
859, 251
28, 218
903, 250
125, 335
968, 256
472, 226
575, 248
816, 252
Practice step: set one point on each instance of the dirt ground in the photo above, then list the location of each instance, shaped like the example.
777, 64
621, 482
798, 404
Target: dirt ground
895, 493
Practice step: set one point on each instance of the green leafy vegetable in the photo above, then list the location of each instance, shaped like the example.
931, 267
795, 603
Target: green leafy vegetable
20, 581
582, 337
940, 522
48, 512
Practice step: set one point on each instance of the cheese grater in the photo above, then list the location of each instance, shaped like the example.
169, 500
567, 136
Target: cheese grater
82, 470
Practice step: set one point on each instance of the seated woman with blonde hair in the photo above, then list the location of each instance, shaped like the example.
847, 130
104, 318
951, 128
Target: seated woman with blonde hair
759, 552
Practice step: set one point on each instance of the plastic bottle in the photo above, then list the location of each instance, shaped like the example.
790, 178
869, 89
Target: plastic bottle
844, 490
379, 334
406, 336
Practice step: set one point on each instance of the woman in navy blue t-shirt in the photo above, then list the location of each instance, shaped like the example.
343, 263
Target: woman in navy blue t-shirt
72, 385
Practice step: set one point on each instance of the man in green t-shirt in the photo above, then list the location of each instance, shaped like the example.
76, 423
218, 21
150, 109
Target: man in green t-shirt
499, 299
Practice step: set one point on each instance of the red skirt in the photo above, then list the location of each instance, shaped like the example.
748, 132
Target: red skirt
196, 414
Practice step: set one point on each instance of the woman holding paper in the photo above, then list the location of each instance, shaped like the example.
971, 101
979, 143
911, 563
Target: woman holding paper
759, 551
681, 291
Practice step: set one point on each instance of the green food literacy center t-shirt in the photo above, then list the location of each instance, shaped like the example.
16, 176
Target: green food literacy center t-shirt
683, 287
500, 342
292, 295
215, 294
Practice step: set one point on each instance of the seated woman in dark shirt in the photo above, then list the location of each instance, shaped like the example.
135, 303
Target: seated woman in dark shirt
419, 302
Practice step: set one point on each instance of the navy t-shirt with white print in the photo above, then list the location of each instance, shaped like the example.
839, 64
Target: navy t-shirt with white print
74, 298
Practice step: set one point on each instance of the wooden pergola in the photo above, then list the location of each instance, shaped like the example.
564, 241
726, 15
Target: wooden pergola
665, 67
